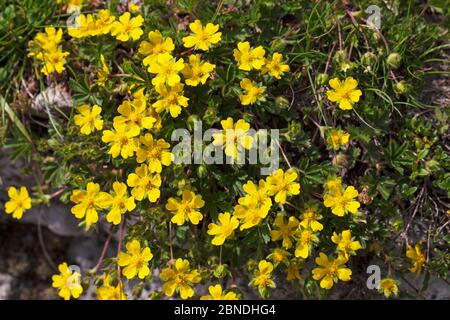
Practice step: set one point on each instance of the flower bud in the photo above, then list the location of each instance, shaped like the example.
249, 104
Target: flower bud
322, 78
282, 102
191, 120
210, 115
368, 59
339, 160
201, 171
400, 87
394, 60
220, 271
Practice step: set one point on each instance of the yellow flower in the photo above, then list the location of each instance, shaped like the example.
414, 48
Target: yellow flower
179, 278
154, 152
249, 213
47, 41
417, 257
144, 184
233, 136
135, 260
281, 185
274, 67
258, 195
263, 276
293, 271
388, 287
187, 208
53, 61
89, 119
68, 282
122, 141
19, 202
87, 203
127, 27
155, 46
102, 74
202, 37
248, 58
196, 71
346, 245
172, 99
345, 93
224, 229
278, 256
337, 138
133, 7
166, 69
330, 271
285, 231
253, 93
306, 240
341, 203
118, 202
103, 22
110, 292
254, 206
216, 293
133, 115
309, 220
334, 185
84, 26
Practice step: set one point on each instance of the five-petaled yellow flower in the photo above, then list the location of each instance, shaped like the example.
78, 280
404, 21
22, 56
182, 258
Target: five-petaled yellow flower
135, 260
87, 203
89, 119
337, 138
216, 293
233, 136
282, 184
389, 287
252, 93
284, 231
133, 115
417, 257
122, 141
346, 245
196, 71
254, 206
341, 201
118, 202
344, 92
127, 28
224, 229
263, 276
187, 208
154, 152
68, 282
171, 98
144, 184
179, 278
306, 240
248, 58
275, 67
110, 292
309, 220
156, 45
19, 202
166, 69
203, 37
53, 61
330, 271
